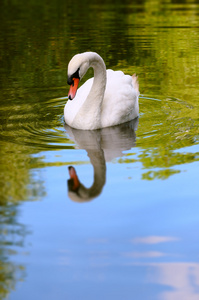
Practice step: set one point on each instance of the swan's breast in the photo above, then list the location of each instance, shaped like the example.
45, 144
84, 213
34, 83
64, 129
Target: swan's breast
72, 107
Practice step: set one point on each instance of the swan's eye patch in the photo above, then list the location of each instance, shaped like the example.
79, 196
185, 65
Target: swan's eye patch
71, 78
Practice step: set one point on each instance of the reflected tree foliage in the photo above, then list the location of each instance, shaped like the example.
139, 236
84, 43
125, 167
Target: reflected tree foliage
12, 238
16, 185
38, 39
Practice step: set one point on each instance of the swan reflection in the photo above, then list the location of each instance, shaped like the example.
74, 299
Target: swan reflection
101, 145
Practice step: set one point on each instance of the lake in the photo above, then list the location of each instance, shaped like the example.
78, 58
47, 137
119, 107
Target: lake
134, 232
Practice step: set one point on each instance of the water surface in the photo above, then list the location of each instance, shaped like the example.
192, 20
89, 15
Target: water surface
133, 231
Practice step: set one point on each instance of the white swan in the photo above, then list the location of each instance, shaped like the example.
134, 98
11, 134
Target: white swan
109, 98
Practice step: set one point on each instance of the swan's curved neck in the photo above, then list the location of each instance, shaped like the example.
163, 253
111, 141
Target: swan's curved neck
91, 107
99, 166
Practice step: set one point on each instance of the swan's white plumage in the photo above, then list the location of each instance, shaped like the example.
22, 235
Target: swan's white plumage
108, 99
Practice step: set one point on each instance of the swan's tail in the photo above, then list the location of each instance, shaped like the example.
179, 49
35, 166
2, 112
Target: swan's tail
135, 83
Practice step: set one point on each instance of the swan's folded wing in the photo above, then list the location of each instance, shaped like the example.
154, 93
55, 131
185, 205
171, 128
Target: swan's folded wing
120, 102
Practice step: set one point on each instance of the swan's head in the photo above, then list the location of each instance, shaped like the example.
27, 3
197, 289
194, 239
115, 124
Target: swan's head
77, 68
77, 191
73, 182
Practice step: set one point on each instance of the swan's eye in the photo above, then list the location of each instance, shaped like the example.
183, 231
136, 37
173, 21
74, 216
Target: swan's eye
71, 78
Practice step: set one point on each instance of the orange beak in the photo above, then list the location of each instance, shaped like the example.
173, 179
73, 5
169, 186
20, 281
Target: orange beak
73, 176
73, 89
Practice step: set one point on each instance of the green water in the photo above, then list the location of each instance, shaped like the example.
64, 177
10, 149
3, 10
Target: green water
142, 227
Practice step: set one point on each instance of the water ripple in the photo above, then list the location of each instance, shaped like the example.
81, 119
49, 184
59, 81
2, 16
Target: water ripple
42, 125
